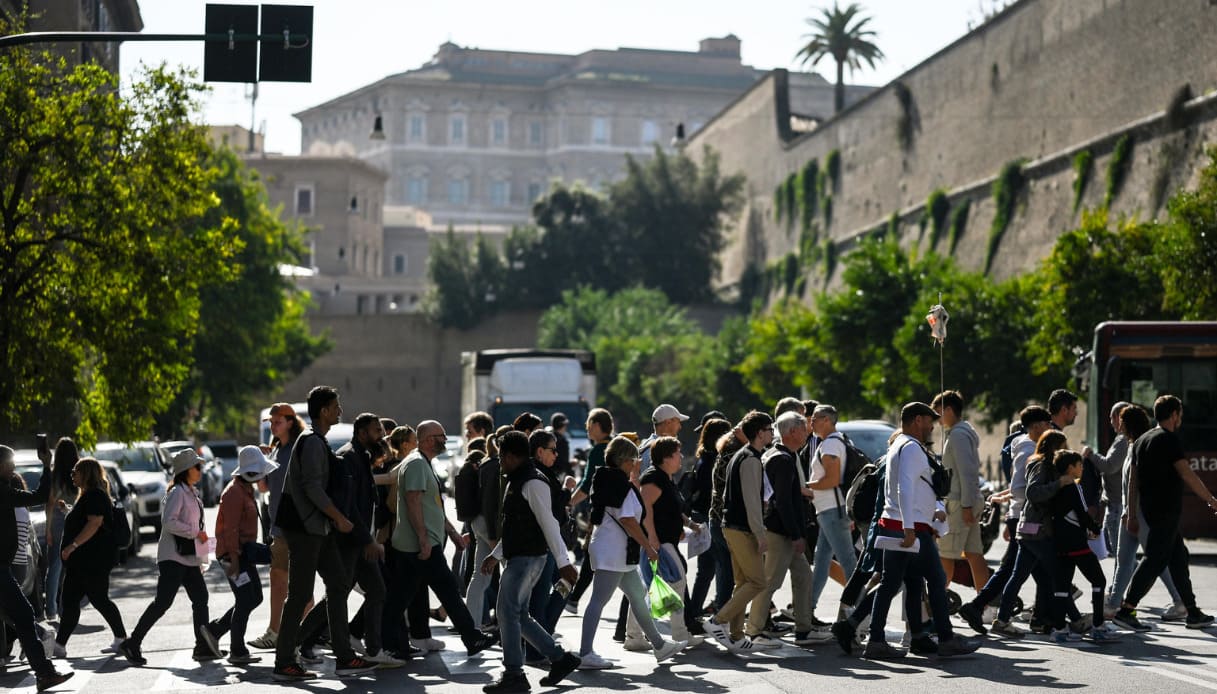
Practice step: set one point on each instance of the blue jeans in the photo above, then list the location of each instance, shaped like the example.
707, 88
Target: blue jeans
724, 575
1126, 562
520, 575
912, 569
834, 540
1111, 525
993, 588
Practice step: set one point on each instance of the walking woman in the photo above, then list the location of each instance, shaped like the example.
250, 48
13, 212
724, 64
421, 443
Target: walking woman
285, 428
63, 492
88, 555
179, 556
665, 522
699, 510
617, 543
239, 551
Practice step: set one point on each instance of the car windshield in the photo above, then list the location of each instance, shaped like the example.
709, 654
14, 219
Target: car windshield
131, 459
31, 474
871, 438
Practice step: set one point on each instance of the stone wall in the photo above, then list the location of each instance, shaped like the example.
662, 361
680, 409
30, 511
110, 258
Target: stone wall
1040, 81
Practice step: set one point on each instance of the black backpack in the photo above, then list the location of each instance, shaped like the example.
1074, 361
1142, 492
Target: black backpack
120, 526
1007, 452
855, 462
862, 499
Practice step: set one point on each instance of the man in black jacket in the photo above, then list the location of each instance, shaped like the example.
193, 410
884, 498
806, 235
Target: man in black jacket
12, 601
785, 524
527, 508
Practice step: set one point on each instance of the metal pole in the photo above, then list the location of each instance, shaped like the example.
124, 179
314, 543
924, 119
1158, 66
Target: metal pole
120, 36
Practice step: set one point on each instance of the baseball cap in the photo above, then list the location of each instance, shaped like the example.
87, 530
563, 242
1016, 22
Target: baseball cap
280, 409
917, 409
712, 414
665, 412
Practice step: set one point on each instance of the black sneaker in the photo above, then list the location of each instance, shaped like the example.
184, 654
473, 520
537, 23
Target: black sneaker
510, 682
923, 645
844, 632
130, 650
1128, 619
54, 678
957, 646
479, 644
291, 673
974, 617
203, 653
817, 624
562, 667
209, 638
1198, 620
353, 667
697, 628
878, 649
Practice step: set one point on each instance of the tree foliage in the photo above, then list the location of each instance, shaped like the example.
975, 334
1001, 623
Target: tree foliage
647, 350
252, 333
103, 256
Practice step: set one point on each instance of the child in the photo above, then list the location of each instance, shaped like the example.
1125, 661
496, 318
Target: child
1072, 529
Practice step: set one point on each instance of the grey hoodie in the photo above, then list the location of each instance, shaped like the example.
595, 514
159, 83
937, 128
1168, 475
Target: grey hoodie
961, 456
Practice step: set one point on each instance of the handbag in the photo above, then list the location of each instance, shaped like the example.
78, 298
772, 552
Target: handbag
184, 546
255, 553
663, 599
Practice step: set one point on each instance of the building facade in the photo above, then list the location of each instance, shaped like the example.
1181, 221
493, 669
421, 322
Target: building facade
474, 137
79, 15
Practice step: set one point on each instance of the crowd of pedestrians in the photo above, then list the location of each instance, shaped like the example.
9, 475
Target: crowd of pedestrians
765, 497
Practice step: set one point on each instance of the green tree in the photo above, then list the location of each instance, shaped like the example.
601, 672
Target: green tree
671, 214
252, 333
647, 350
467, 280
842, 35
1094, 274
102, 256
1187, 253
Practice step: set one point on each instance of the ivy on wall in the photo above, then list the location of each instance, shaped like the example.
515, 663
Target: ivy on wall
1117, 169
1083, 170
937, 207
959, 224
1007, 189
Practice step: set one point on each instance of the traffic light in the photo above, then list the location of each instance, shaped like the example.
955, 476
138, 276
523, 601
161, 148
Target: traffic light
237, 52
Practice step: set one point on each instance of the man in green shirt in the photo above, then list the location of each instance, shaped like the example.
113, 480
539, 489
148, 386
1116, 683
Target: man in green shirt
418, 540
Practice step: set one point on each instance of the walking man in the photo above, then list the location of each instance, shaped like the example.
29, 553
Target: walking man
961, 457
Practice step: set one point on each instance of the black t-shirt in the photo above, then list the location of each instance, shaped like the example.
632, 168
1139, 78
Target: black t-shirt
98, 551
1158, 482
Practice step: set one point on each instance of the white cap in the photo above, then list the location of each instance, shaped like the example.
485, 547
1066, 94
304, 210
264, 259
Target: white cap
253, 465
665, 412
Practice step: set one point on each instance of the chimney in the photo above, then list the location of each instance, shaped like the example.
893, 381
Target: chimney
726, 47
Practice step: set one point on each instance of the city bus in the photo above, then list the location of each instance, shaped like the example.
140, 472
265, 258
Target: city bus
1138, 361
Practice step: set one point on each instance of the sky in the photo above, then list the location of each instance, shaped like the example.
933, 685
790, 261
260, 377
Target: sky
357, 42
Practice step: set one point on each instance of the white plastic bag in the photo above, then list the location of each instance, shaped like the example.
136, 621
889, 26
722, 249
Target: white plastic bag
698, 541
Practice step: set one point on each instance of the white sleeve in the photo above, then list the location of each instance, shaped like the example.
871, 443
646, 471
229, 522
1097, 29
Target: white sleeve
907, 483
536, 493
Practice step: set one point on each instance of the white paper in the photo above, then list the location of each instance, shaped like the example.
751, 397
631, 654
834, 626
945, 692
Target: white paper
699, 541
766, 488
241, 579
893, 543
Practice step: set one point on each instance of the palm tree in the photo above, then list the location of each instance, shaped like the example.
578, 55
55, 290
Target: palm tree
843, 35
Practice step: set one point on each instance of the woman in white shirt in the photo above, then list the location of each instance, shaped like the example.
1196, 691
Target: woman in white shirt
617, 543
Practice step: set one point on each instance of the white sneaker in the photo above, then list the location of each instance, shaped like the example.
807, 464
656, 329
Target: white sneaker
669, 649
742, 647
266, 641
694, 640
593, 661
384, 660
1174, 613
720, 632
765, 643
428, 645
113, 647
637, 645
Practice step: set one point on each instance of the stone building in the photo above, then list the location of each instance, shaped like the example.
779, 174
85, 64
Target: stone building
475, 136
80, 15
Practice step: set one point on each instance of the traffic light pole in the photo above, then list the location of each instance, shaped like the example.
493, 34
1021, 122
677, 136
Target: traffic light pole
120, 36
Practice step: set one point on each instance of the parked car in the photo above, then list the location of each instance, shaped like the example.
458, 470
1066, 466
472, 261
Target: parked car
226, 452
212, 483
869, 435
145, 469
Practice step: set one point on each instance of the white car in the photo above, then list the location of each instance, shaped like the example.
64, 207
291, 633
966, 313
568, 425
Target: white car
144, 469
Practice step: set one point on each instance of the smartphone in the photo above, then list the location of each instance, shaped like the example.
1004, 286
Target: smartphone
42, 445
564, 587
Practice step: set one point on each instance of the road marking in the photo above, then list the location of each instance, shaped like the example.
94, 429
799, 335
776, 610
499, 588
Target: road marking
1177, 671
78, 681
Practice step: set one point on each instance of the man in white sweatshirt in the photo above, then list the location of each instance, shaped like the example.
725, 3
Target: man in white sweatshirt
911, 558
961, 457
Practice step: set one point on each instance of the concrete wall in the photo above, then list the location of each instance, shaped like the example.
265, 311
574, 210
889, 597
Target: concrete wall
1036, 82
402, 366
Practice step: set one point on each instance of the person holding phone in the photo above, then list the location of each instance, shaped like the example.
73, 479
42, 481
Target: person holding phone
63, 493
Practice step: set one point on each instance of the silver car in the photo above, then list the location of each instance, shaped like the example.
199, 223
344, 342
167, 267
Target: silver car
143, 468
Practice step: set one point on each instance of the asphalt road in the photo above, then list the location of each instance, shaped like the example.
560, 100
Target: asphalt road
1171, 658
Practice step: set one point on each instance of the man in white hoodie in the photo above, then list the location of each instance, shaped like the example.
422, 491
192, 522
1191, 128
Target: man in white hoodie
961, 457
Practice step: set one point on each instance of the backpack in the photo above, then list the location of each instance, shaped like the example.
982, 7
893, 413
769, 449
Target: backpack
1007, 451
861, 501
120, 526
940, 477
468, 493
855, 462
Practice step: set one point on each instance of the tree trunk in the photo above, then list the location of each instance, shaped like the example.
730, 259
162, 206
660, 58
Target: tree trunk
839, 92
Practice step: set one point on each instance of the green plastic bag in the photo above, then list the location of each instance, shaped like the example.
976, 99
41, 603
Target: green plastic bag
664, 601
